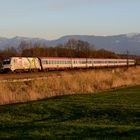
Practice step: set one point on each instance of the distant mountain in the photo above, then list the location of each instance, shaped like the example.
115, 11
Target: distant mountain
116, 43
15, 42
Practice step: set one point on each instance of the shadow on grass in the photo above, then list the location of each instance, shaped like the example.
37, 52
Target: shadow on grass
67, 131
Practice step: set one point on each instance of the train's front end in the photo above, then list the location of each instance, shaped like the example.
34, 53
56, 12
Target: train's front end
6, 65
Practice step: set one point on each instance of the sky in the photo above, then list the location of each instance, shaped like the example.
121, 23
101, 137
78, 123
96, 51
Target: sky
51, 19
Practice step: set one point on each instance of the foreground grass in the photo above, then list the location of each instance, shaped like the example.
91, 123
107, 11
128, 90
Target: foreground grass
107, 115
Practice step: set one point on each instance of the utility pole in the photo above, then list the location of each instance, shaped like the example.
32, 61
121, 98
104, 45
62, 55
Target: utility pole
71, 52
127, 59
86, 56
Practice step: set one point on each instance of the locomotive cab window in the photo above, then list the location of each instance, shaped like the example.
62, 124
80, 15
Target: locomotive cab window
6, 61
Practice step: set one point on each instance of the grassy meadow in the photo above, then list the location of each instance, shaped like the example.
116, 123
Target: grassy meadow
69, 83
104, 115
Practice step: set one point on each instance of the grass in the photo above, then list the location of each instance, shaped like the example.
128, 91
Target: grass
106, 115
68, 83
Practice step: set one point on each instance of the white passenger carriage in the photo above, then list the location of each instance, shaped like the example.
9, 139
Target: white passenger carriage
55, 63
63, 63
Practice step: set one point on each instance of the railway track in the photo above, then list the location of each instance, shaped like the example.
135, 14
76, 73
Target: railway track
20, 77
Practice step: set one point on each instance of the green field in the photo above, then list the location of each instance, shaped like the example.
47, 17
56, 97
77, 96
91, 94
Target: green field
107, 115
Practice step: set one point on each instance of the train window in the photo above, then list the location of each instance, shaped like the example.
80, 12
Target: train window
6, 61
50, 62
43, 62
97, 62
89, 62
84, 62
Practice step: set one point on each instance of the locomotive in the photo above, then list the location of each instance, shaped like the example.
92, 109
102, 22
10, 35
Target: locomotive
21, 64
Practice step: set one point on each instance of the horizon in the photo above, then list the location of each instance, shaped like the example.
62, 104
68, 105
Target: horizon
54, 19
132, 33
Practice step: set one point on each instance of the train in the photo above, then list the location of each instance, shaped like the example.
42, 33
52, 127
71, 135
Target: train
22, 64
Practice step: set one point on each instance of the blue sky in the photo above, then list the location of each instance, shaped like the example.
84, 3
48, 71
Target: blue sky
52, 19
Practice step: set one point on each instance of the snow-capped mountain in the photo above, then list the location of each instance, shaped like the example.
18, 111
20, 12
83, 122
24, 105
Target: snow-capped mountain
116, 43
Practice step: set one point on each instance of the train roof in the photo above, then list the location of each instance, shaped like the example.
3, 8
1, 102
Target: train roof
67, 58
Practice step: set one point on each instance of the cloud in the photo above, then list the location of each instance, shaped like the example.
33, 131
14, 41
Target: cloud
61, 5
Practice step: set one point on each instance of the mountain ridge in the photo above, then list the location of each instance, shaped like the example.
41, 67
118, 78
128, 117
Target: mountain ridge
116, 43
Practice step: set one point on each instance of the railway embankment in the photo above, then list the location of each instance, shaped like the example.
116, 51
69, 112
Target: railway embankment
67, 83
